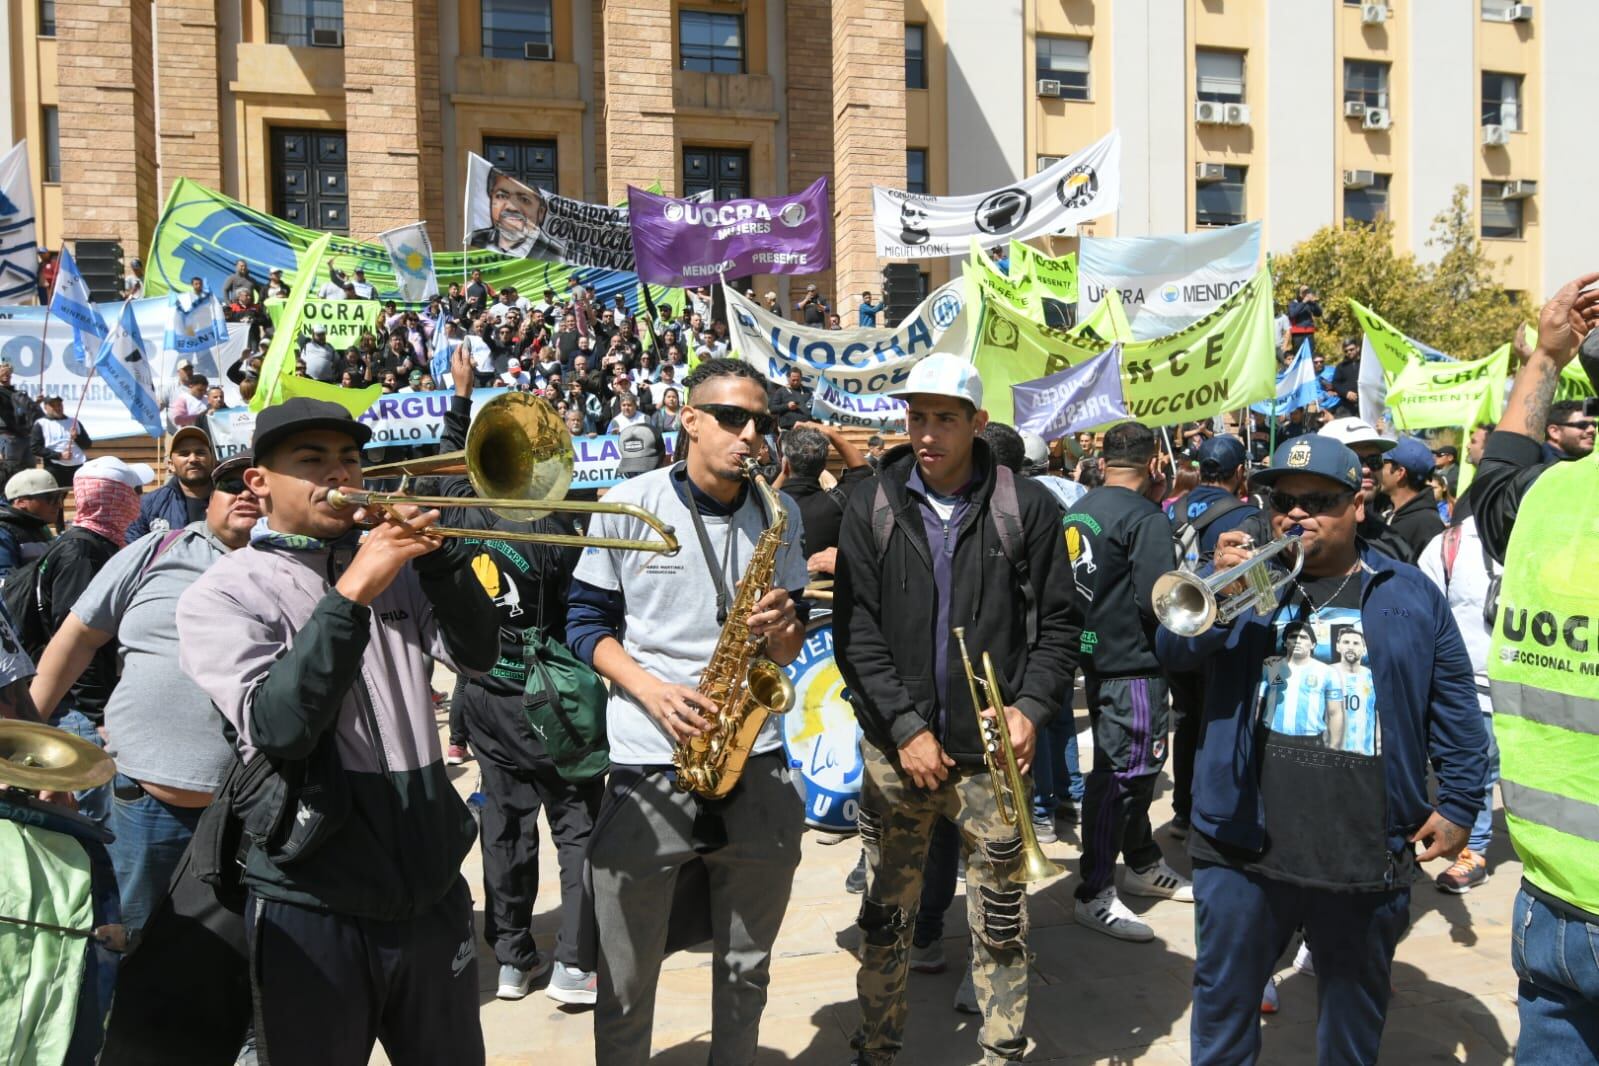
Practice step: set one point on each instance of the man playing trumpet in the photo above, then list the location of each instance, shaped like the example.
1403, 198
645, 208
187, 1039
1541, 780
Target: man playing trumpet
948, 539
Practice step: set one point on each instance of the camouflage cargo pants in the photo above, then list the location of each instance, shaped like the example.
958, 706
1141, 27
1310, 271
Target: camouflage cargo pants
896, 819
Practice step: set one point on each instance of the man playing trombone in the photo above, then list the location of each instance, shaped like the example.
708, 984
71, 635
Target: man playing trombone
312, 644
948, 540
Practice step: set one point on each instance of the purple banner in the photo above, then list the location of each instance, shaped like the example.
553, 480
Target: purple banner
683, 243
1077, 398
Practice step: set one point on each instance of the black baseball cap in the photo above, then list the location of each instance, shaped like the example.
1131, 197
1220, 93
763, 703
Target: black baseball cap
1313, 453
1221, 455
302, 414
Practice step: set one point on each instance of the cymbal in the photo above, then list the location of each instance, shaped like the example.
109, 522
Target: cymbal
40, 758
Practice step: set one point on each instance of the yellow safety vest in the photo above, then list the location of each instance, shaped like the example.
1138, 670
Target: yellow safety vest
1544, 670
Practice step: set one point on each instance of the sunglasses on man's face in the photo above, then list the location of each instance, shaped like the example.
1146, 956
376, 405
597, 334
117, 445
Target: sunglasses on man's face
1581, 425
1311, 502
233, 484
734, 419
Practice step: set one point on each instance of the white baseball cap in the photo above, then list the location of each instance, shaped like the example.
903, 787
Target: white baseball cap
110, 468
941, 374
1351, 431
33, 482
1036, 449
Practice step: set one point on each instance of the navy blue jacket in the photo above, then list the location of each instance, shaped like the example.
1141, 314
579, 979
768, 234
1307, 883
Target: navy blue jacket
165, 503
1426, 705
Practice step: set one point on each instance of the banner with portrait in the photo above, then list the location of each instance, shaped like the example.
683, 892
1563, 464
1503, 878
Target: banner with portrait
1057, 199
513, 219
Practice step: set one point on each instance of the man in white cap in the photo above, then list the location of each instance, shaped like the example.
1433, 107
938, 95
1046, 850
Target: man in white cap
1360, 438
33, 505
949, 542
183, 498
106, 493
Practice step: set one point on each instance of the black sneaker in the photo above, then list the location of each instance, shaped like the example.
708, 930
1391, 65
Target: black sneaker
855, 883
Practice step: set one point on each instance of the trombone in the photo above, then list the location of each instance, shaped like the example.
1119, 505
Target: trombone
1007, 779
519, 460
1188, 604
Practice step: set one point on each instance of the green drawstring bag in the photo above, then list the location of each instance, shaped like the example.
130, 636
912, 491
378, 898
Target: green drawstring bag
565, 706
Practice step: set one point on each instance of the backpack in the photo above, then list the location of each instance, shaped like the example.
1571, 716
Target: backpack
1188, 531
1007, 515
25, 601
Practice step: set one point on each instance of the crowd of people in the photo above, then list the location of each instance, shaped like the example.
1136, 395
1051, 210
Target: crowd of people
260, 664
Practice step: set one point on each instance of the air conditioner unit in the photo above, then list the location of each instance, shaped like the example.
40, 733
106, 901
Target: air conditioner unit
1207, 113
1048, 87
1495, 136
1354, 109
1377, 118
1236, 115
1518, 190
327, 38
1359, 179
1205, 173
1373, 14
1518, 13
1047, 161
538, 50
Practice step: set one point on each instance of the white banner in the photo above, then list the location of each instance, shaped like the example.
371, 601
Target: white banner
855, 361
104, 416
1079, 188
1167, 283
19, 253
417, 419
829, 403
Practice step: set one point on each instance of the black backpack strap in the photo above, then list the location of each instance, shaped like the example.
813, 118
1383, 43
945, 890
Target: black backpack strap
1007, 514
1214, 511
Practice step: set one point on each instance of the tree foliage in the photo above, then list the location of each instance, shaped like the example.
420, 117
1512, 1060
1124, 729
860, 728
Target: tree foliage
1452, 303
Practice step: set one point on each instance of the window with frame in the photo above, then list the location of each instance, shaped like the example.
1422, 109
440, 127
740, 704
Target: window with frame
1369, 204
47, 18
1501, 218
1366, 82
916, 170
710, 42
1501, 99
723, 172
1219, 76
1065, 59
509, 26
915, 56
1221, 203
295, 22
533, 163
50, 131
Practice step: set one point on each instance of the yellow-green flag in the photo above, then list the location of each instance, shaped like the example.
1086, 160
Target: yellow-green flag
278, 381
1054, 277
1393, 349
1108, 321
1434, 395
1223, 362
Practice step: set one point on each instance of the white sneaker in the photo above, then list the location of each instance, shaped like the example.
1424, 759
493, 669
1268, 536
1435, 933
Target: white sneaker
1158, 882
1302, 960
966, 995
1107, 914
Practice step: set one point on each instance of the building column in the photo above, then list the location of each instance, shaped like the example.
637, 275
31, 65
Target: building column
107, 113
637, 66
868, 131
186, 71
808, 96
392, 123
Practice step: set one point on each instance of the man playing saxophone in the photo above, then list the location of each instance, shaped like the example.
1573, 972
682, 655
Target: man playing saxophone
649, 624
947, 541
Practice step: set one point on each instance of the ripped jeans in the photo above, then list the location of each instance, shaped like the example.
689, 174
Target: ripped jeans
896, 821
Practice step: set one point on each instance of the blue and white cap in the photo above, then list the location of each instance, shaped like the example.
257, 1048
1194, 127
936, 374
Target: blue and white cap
941, 374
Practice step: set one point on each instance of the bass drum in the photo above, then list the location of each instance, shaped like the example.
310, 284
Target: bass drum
820, 735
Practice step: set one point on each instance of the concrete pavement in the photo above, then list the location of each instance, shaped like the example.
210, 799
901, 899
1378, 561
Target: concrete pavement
1093, 999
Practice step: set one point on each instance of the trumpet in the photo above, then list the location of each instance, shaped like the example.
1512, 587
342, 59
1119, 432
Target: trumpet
1188, 604
519, 460
1010, 794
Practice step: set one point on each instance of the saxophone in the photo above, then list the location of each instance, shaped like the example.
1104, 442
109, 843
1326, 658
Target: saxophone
744, 684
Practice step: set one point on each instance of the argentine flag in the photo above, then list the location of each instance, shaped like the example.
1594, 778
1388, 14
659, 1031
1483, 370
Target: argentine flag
19, 255
411, 255
1296, 386
123, 364
196, 325
71, 302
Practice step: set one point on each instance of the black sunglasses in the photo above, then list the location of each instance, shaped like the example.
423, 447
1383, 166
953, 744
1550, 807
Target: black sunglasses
734, 419
233, 484
1580, 424
1311, 502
